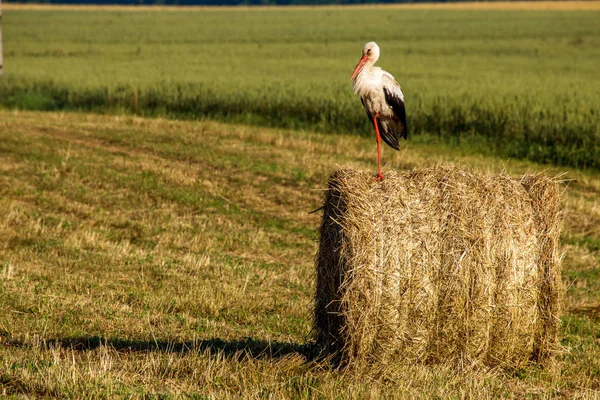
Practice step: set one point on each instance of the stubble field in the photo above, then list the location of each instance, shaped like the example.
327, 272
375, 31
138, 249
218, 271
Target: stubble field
147, 256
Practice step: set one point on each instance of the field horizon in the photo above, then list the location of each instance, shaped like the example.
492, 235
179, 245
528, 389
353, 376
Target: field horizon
468, 5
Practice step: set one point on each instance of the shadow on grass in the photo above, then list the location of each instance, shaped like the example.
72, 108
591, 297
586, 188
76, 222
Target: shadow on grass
592, 312
237, 349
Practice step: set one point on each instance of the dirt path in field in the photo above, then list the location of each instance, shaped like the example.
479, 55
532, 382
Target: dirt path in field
500, 5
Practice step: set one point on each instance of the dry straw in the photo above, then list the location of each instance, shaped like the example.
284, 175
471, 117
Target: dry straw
439, 264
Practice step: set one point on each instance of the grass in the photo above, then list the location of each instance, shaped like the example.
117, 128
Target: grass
517, 83
153, 258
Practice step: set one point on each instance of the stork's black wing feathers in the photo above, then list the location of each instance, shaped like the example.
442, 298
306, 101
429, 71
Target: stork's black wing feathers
395, 101
386, 133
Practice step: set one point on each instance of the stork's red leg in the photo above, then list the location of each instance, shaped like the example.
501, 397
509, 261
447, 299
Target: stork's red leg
379, 176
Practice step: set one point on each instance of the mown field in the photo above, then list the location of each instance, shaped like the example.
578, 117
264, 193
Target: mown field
153, 258
511, 83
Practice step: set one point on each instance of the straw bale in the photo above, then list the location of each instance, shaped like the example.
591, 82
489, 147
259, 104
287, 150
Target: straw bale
439, 264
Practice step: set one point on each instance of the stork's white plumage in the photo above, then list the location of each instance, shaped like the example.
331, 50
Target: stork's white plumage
382, 98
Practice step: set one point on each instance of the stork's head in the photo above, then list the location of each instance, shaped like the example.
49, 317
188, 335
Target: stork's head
370, 54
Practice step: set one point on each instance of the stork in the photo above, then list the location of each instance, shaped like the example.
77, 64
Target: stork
383, 100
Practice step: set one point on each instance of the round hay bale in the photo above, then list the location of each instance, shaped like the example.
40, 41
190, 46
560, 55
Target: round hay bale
439, 264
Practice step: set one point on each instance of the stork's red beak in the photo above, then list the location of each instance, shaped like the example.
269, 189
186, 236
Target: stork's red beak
359, 66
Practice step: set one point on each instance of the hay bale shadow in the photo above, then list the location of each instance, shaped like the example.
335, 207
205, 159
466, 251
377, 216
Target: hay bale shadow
238, 349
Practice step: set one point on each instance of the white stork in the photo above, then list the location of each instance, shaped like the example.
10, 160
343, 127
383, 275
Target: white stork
383, 100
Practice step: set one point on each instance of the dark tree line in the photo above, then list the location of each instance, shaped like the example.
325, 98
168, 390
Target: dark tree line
218, 2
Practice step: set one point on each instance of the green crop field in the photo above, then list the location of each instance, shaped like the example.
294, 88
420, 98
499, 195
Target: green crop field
170, 254
518, 84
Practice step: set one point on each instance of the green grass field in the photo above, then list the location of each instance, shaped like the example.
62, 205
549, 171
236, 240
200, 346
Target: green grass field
519, 84
150, 257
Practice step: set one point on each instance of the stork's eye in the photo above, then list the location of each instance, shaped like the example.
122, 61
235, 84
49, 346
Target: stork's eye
368, 51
